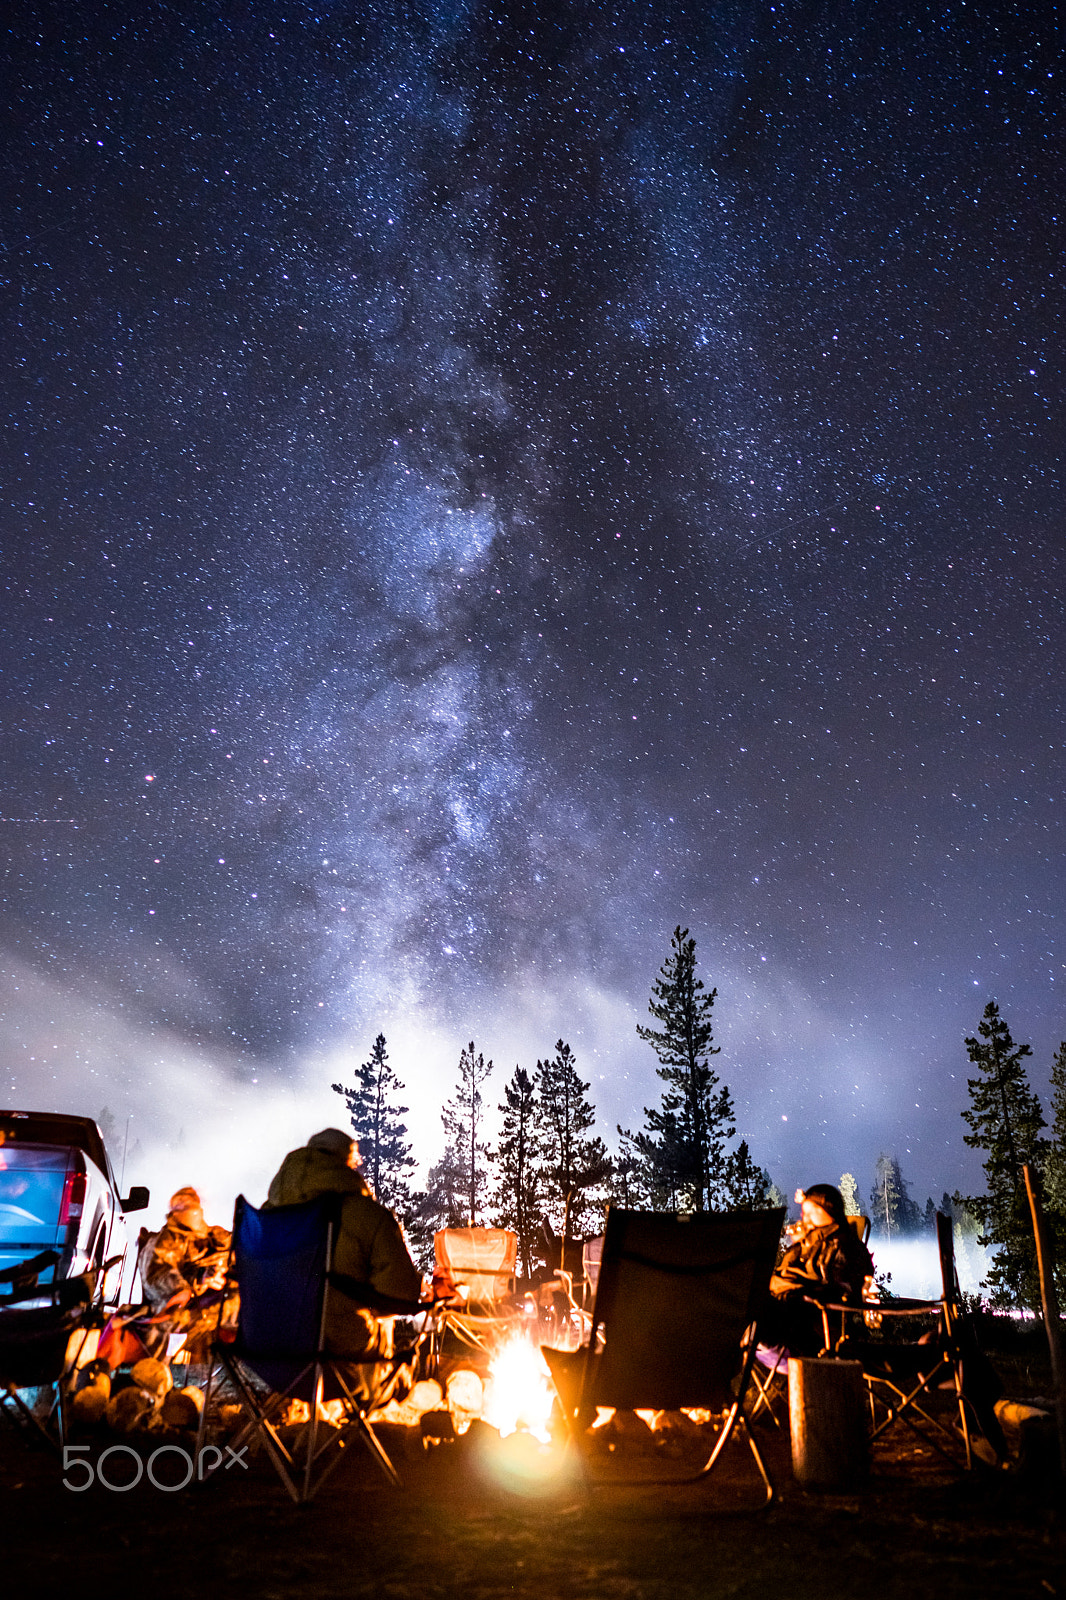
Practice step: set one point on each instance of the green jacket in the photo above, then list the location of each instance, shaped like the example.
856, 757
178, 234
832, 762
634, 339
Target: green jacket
370, 1245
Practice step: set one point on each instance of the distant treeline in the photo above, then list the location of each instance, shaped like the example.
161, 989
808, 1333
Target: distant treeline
549, 1175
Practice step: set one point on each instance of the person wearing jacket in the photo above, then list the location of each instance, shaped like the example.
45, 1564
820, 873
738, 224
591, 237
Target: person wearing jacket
183, 1268
825, 1260
369, 1247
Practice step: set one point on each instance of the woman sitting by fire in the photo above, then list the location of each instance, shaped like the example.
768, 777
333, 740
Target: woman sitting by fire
825, 1260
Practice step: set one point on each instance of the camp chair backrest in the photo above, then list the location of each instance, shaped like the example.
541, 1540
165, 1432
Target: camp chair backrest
862, 1227
482, 1259
675, 1295
591, 1256
283, 1259
280, 1257
952, 1306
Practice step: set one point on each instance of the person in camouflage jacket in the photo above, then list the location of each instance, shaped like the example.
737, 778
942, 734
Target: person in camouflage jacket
183, 1269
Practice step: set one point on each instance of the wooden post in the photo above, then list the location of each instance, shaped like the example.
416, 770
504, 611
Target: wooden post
827, 1416
1050, 1302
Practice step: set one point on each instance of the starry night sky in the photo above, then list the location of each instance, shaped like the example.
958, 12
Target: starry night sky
484, 484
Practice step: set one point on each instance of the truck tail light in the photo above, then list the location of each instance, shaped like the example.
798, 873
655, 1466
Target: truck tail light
73, 1197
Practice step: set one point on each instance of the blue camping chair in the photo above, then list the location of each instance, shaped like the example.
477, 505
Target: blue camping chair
282, 1261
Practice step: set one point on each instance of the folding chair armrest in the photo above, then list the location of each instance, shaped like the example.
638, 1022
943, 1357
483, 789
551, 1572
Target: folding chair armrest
386, 1305
910, 1308
30, 1268
906, 1308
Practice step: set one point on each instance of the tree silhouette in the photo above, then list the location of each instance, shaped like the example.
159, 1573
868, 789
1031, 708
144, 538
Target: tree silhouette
516, 1196
385, 1154
572, 1163
684, 1145
747, 1187
462, 1118
892, 1211
1005, 1120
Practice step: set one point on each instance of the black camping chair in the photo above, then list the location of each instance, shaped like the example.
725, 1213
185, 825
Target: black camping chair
910, 1382
673, 1321
36, 1349
282, 1261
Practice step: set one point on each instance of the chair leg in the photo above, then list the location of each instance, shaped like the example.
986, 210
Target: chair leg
763, 1379
360, 1422
312, 1434
735, 1418
28, 1415
904, 1407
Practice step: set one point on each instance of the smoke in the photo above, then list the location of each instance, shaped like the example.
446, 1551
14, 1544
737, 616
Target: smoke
189, 1113
914, 1265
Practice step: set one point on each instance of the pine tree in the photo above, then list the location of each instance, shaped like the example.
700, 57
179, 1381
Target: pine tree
628, 1176
892, 1211
442, 1204
849, 1189
1005, 1120
572, 1163
1055, 1168
516, 1197
462, 1118
108, 1129
747, 1187
385, 1155
684, 1147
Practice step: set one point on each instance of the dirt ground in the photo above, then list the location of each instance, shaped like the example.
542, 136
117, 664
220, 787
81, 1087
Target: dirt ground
475, 1520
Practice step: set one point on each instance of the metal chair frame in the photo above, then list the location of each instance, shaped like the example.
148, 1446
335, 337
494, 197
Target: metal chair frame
900, 1401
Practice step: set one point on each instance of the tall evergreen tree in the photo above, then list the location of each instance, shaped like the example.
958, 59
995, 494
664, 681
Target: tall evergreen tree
572, 1162
385, 1154
892, 1211
746, 1186
849, 1189
684, 1145
441, 1204
462, 1118
1055, 1169
1005, 1119
516, 1197
628, 1176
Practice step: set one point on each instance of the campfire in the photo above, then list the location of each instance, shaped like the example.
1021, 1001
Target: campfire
518, 1395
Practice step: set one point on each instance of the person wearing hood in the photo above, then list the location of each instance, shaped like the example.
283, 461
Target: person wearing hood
183, 1269
369, 1247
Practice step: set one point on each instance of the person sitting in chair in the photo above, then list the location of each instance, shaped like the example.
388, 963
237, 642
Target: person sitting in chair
182, 1268
369, 1247
826, 1261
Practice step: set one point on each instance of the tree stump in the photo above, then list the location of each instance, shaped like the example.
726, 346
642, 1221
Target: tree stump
827, 1416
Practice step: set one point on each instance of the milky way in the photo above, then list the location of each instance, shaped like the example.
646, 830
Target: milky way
485, 484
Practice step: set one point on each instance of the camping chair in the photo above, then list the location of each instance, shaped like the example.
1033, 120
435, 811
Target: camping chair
282, 1260
673, 1320
479, 1264
591, 1256
898, 1389
40, 1344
